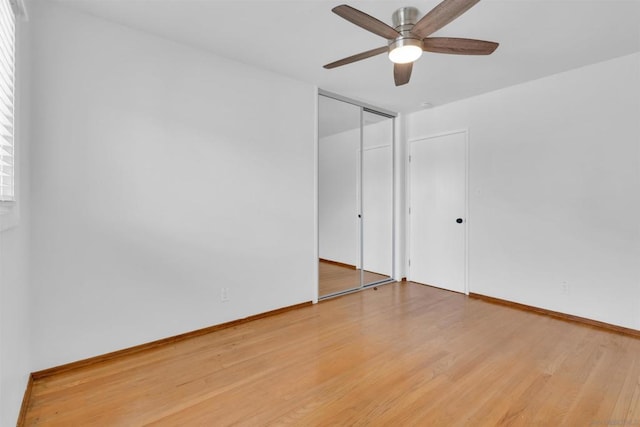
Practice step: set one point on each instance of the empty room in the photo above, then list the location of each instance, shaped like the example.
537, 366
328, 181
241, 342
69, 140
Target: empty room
313, 213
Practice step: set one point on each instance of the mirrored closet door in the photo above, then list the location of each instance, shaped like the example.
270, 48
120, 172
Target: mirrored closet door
355, 196
377, 197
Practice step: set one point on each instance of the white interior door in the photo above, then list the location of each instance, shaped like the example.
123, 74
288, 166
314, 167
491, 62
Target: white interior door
437, 239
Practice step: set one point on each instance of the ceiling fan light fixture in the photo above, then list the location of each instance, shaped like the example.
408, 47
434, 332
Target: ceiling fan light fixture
405, 50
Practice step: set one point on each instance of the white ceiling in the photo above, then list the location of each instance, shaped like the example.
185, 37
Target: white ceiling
295, 38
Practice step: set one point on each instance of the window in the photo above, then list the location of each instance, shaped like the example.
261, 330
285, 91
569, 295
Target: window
7, 74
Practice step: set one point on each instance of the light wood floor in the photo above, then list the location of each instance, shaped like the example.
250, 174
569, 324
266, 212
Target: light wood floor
403, 354
336, 278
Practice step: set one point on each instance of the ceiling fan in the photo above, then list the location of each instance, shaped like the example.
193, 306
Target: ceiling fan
408, 37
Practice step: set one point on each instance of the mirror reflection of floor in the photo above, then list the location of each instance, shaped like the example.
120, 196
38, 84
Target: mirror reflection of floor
337, 278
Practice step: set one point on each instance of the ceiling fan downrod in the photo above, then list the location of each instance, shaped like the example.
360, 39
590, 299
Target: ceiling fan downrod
404, 19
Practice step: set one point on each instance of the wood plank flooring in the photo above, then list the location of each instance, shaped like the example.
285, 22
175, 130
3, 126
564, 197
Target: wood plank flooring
404, 354
337, 278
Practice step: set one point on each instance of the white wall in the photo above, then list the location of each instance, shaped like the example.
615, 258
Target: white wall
555, 189
14, 320
161, 174
401, 163
15, 313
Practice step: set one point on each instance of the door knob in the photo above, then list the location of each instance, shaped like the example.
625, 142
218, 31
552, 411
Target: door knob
459, 220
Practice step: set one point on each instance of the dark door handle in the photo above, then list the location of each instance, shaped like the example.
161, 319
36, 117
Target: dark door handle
459, 220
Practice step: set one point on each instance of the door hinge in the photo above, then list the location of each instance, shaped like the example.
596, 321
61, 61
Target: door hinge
409, 159
409, 263
409, 211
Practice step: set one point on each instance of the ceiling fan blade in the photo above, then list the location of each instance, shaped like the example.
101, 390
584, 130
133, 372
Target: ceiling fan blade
358, 57
402, 73
440, 16
458, 46
365, 21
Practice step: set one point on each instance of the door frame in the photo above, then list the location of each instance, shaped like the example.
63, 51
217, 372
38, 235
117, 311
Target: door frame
464, 131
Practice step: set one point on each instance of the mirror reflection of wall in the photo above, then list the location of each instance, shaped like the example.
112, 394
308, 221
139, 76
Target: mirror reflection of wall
355, 196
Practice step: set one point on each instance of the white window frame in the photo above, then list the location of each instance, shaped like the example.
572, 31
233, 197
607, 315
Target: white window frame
7, 101
8, 205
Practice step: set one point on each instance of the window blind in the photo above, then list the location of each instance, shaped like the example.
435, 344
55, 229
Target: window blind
7, 77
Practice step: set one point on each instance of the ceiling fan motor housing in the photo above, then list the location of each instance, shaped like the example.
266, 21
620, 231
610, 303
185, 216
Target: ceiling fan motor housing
403, 21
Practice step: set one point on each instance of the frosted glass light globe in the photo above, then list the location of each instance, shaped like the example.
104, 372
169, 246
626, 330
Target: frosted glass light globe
405, 54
